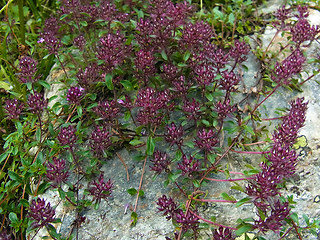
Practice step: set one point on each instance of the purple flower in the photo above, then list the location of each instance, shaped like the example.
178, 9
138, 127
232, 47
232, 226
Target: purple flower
113, 51
36, 103
196, 34
56, 172
52, 43
282, 14
28, 68
229, 80
74, 95
187, 221
192, 109
145, 63
170, 71
107, 110
224, 109
100, 141
239, 51
41, 213
223, 234
13, 108
4, 235
288, 67
180, 86
204, 74
160, 162
174, 134
167, 206
79, 42
101, 189
219, 59
89, 75
188, 165
67, 136
206, 139
275, 219
302, 31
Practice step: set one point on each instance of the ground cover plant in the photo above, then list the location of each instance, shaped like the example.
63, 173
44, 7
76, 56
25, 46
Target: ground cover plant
136, 74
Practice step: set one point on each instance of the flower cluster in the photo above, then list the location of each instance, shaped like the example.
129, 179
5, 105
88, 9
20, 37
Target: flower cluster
160, 162
4, 235
100, 189
56, 172
74, 95
13, 108
67, 136
107, 110
100, 141
90, 75
188, 165
41, 213
174, 134
113, 51
187, 221
192, 109
224, 109
288, 67
282, 161
206, 139
167, 206
36, 103
223, 234
145, 63
153, 104
229, 80
49, 36
28, 68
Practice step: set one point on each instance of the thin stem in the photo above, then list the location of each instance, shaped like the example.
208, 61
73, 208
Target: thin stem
265, 52
140, 184
213, 200
249, 152
21, 22
272, 92
228, 180
212, 223
256, 143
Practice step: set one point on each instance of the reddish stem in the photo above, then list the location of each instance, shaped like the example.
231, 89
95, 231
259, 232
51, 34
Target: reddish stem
272, 92
228, 180
213, 200
249, 152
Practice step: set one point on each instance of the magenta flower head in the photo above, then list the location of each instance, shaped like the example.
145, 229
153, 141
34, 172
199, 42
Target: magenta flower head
167, 206
101, 189
206, 139
192, 109
13, 108
79, 42
41, 213
100, 141
4, 235
160, 162
223, 234
67, 136
107, 110
229, 80
188, 166
174, 134
187, 221
28, 68
56, 172
239, 51
75, 94
37, 103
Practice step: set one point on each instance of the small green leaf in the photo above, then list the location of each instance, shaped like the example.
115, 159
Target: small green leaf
15, 177
209, 96
231, 18
132, 191
126, 84
295, 218
44, 84
186, 55
38, 134
164, 55
150, 146
134, 218
141, 193
243, 229
242, 201
3, 156
19, 128
225, 196
135, 142
174, 176
249, 129
79, 110
13, 218
108, 79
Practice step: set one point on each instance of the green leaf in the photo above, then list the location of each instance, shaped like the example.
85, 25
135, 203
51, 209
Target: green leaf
135, 142
231, 18
243, 229
13, 218
19, 128
108, 79
134, 218
15, 177
150, 146
295, 218
186, 55
3, 156
132, 191
38, 134
126, 84
44, 84
212, 158
205, 122
174, 176
248, 129
242, 201
141, 193
209, 96
79, 110
225, 196
164, 55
